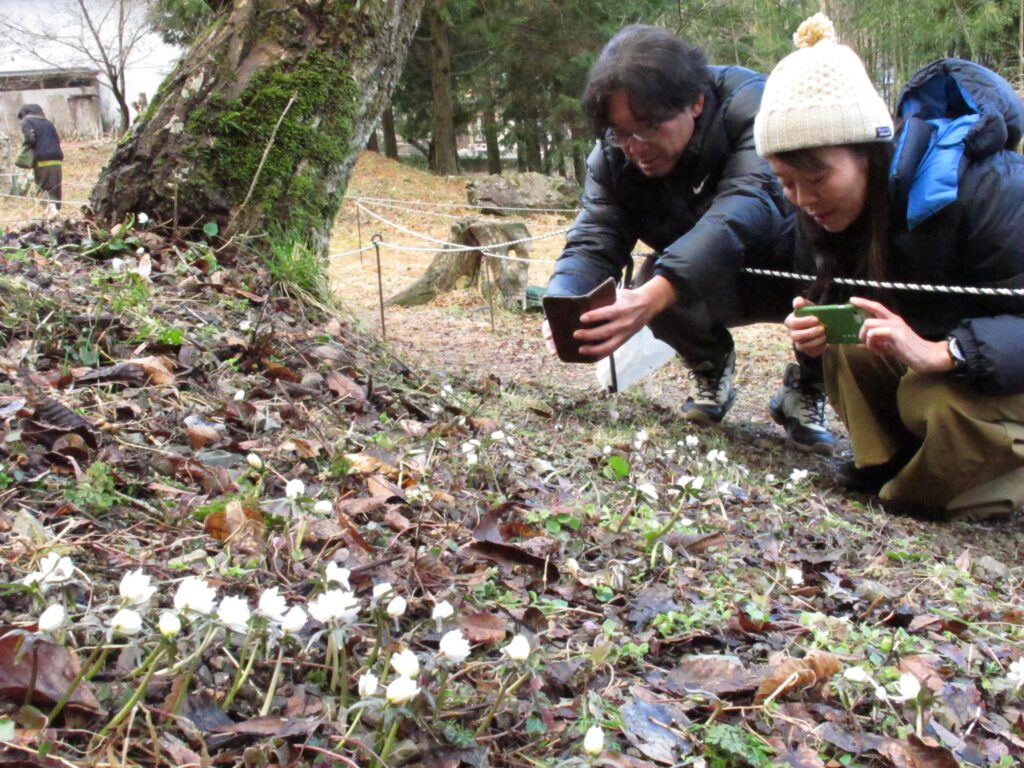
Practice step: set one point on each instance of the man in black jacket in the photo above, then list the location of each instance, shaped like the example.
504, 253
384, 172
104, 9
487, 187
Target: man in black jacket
676, 168
41, 137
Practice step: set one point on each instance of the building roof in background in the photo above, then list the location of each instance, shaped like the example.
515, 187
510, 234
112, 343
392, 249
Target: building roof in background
31, 79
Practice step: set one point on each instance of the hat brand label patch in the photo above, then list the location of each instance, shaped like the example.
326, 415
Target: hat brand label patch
883, 132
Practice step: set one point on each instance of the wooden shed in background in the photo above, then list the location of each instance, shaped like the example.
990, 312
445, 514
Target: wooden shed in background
69, 97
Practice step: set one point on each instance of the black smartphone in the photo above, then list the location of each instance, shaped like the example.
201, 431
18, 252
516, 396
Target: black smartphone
563, 316
842, 321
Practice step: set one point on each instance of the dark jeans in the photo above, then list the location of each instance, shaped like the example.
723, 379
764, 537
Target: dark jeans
699, 332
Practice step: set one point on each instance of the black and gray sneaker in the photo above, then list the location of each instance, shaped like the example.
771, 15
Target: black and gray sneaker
801, 410
712, 392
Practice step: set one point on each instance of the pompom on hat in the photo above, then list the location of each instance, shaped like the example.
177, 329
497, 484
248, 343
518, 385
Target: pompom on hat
819, 96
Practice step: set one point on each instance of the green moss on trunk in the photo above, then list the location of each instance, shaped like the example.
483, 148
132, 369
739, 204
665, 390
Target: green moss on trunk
231, 136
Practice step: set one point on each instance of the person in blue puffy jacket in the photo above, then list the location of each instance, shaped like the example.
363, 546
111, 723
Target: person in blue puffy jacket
675, 167
933, 395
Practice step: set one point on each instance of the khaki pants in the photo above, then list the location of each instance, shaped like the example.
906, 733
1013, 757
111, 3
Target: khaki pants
48, 178
969, 446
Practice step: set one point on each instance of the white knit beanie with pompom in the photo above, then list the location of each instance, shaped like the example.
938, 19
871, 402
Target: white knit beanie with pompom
819, 96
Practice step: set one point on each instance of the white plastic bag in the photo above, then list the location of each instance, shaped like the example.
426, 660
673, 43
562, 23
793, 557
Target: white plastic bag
633, 360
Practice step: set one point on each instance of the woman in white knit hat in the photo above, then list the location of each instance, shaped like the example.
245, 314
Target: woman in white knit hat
933, 395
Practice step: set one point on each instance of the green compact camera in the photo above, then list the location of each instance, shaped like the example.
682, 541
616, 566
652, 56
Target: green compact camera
842, 321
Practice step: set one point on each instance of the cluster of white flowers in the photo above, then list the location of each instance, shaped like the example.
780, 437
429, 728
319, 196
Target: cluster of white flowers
1015, 674
53, 569
716, 456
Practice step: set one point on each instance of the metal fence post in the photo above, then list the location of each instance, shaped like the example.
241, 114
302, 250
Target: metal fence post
377, 239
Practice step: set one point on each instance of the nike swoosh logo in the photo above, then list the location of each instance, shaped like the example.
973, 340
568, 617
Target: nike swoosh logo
697, 189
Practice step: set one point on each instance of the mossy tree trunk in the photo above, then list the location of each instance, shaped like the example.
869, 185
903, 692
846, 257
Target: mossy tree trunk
260, 124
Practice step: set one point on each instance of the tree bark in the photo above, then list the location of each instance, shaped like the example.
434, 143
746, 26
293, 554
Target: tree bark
491, 140
260, 124
388, 129
446, 162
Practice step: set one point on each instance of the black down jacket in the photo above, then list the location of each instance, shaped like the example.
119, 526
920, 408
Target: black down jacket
956, 188
39, 133
720, 209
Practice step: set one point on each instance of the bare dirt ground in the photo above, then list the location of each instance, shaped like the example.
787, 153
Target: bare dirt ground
454, 334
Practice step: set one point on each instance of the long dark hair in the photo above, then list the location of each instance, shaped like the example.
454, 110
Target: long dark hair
661, 75
862, 249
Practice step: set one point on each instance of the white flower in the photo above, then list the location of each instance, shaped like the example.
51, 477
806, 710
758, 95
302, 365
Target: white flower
606, 450
798, 476
254, 461
126, 622
169, 624
53, 569
405, 663
909, 687
725, 489
116, 265
143, 218
442, 610
396, 607
640, 439
293, 621
135, 587
294, 488
234, 614
52, 618
367, 685
379, 590
1015, 674
245, 325
401, 690
194, 595
497, 436
770, 478
794, 576
334, 605
881, 694
716, 456
337, 575
593, 741
648, 490
239, 395
272, 605
856, 675
692, 441
454, 647
518, 649
323, 507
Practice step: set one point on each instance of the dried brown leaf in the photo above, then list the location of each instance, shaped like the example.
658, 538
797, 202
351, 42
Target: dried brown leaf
814, 669
713, 674
917, 753
55, 669
484, 627
238, 525
346, 389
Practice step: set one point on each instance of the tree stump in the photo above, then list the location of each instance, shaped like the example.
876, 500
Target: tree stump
453, 269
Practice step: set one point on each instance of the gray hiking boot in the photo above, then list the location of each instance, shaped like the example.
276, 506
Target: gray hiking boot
712, 392
801, 410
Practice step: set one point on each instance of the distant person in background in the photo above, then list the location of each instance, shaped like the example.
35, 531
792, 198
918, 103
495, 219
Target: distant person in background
40, 136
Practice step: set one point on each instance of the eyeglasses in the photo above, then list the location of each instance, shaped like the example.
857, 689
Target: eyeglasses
620, 139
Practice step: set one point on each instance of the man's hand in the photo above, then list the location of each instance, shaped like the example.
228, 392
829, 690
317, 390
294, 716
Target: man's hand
549, 338
886, 333
807, 333
616, 323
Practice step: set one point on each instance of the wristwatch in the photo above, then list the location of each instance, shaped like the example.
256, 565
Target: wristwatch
956, 354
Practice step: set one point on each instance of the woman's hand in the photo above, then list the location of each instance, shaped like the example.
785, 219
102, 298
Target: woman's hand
616, 323
807, 333
886, 333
